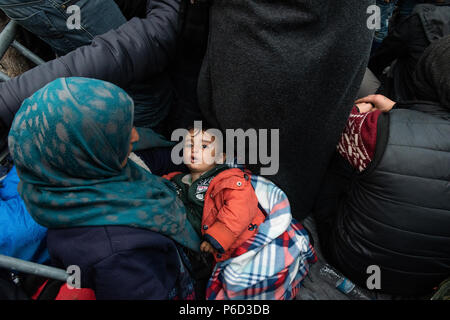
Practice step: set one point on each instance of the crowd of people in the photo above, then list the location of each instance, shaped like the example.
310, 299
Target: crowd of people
364, 148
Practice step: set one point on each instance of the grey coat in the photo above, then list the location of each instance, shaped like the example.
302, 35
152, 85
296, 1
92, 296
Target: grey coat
290, 65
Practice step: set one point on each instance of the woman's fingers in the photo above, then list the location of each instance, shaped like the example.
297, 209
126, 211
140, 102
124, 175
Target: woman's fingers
369, 99
379, 101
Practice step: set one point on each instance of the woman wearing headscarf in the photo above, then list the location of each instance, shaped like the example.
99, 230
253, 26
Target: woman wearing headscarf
386, 198
120, 224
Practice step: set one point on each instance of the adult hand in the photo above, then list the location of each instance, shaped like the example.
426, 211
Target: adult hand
378, 101
365, 107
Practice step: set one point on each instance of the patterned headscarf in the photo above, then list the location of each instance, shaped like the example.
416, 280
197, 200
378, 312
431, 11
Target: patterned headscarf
68, 141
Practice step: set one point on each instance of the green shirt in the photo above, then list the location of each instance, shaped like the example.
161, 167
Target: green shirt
193, 193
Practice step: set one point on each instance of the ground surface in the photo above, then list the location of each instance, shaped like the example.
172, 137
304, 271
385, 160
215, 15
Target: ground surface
315, 287
12, 64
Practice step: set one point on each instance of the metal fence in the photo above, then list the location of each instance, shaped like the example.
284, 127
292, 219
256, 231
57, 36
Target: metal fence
8, 39
22, 266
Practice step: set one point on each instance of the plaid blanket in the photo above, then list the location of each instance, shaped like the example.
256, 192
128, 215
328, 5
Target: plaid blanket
273, 263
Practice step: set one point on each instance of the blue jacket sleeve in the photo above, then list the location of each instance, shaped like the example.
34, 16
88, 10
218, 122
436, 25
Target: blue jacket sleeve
20, 236
137, 49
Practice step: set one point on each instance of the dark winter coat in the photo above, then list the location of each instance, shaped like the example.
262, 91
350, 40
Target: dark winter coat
289, 65
405, 45
396, 213
130, 54
118, 262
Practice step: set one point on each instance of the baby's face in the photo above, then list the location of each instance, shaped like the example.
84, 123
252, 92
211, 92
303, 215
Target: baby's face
199, 151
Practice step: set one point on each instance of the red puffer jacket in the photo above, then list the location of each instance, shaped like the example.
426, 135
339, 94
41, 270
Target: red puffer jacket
230, 214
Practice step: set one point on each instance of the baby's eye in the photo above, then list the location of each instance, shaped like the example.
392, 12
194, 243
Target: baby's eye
204, 146
188, 145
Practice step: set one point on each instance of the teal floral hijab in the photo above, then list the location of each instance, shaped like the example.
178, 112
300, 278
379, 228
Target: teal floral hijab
68, 141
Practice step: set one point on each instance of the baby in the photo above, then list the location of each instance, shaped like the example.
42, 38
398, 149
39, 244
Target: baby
220, 201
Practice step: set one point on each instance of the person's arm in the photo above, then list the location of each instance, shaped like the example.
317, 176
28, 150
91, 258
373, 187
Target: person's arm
139, 48
232, 220
358, 141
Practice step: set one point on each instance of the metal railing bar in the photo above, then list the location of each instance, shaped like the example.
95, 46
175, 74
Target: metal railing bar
14, 264
27, 53
7, 37
4, 77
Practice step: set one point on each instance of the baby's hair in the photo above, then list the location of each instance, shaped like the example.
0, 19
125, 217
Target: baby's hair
205, 128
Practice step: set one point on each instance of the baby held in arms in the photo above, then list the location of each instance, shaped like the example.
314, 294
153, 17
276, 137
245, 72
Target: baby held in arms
220, 201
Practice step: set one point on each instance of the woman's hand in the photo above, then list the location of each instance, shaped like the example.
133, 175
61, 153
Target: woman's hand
207, 247
364, 107
378, 101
